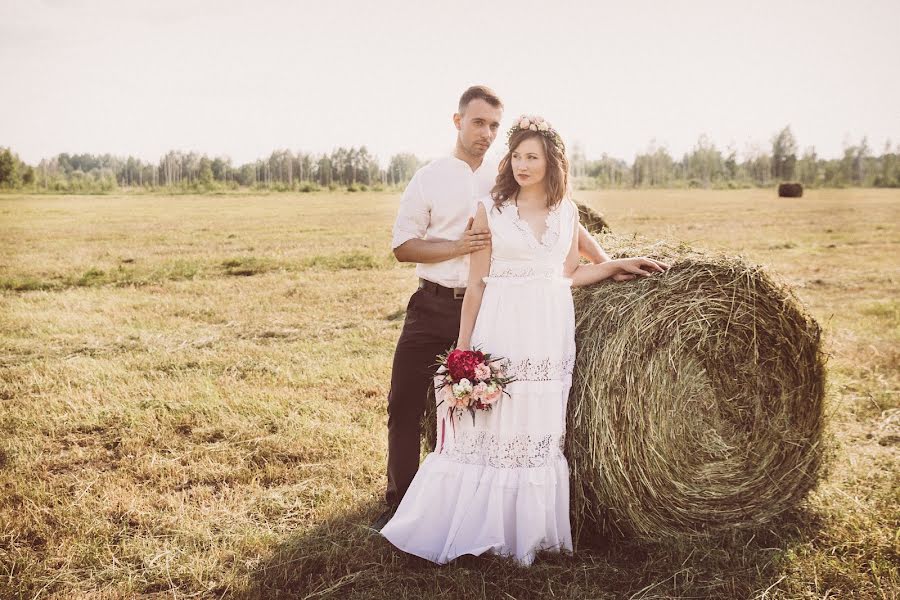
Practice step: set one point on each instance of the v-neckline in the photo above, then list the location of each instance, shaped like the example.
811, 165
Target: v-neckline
538, 238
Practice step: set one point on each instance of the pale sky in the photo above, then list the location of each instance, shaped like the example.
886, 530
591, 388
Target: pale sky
241, 79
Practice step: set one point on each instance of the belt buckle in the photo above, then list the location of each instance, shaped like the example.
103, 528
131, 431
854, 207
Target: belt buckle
459, 293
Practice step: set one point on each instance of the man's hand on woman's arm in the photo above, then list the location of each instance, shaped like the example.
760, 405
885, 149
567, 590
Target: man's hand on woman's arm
432, 251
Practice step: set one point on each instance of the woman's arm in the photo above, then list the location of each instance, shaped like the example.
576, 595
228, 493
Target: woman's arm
620, 268
589, 248
479, 266
579, 274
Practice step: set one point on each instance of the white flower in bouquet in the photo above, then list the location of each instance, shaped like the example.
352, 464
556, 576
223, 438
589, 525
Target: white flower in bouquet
463, 388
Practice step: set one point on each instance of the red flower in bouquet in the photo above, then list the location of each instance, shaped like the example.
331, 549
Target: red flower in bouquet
462, 363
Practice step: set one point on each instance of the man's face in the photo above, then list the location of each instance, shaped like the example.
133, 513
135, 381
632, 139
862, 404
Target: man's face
478, 126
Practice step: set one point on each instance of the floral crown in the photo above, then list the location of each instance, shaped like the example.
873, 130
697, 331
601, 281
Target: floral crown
539, 124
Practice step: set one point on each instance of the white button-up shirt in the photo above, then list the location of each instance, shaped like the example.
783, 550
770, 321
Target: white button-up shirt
436, 205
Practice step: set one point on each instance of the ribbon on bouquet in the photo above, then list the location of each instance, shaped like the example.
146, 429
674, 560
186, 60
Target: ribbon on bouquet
448, 410
447, 414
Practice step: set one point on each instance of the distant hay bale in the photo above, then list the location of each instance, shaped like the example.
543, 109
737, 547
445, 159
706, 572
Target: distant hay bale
790, 190
591, 219
697, 398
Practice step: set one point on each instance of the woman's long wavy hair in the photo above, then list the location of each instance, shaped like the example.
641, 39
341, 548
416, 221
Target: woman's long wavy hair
556, 177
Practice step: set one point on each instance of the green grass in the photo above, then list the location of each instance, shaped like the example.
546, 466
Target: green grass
349, 260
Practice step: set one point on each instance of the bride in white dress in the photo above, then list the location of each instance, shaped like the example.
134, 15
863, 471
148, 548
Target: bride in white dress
501, 483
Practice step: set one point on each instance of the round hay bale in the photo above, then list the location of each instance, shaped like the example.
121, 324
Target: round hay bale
790, 190
697, 399
591, 219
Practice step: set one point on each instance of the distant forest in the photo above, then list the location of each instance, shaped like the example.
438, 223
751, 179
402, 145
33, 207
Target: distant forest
355, 169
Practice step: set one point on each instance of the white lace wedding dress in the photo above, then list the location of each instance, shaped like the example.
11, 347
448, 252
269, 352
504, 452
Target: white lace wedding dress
502, 484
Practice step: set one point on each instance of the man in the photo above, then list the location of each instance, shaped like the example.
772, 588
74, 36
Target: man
434, 229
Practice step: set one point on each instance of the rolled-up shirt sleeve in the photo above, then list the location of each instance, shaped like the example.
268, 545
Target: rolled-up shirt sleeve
413, 215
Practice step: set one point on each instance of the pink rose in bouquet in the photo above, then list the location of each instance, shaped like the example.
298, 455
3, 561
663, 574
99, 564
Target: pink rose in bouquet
482, 372
491, 394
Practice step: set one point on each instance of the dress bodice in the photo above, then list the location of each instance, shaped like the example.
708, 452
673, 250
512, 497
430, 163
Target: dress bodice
515, 250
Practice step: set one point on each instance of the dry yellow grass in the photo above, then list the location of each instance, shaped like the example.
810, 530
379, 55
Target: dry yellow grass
192, 401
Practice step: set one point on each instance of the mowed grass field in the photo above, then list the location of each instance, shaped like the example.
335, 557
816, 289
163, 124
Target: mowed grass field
193, 401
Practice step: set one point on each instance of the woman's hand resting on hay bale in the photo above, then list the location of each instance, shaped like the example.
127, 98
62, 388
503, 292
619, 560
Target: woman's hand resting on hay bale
620, 269
640, 266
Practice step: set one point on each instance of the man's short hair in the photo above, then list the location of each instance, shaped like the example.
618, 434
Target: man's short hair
479, 91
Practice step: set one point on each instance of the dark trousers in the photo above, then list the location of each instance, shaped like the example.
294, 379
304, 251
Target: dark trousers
430, 328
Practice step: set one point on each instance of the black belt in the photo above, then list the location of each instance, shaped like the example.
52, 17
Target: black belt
440, 290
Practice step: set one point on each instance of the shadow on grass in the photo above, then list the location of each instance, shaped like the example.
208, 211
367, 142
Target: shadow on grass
342, 558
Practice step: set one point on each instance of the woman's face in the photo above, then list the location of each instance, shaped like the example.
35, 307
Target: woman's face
529, 163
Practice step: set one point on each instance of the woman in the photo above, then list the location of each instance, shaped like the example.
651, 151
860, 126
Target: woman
500, 483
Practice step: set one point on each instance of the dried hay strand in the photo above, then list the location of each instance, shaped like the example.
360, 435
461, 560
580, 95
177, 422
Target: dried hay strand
697, 399
429, 423
790, 190
591, 219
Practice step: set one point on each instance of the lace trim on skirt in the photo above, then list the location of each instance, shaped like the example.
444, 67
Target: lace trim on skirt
530, 369
482, 447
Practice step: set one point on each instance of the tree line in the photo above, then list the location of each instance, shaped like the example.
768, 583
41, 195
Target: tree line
283, 170
357, 169
707, 166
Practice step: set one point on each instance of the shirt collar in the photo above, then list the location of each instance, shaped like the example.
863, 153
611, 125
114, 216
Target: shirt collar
487, 161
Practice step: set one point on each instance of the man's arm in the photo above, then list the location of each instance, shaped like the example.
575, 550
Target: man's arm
411, 226
589, 248
431, 251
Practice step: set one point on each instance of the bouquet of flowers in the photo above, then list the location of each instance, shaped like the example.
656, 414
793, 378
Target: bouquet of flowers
470, 379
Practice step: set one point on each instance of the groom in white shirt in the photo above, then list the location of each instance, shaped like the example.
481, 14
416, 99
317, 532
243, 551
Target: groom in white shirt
434, 230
